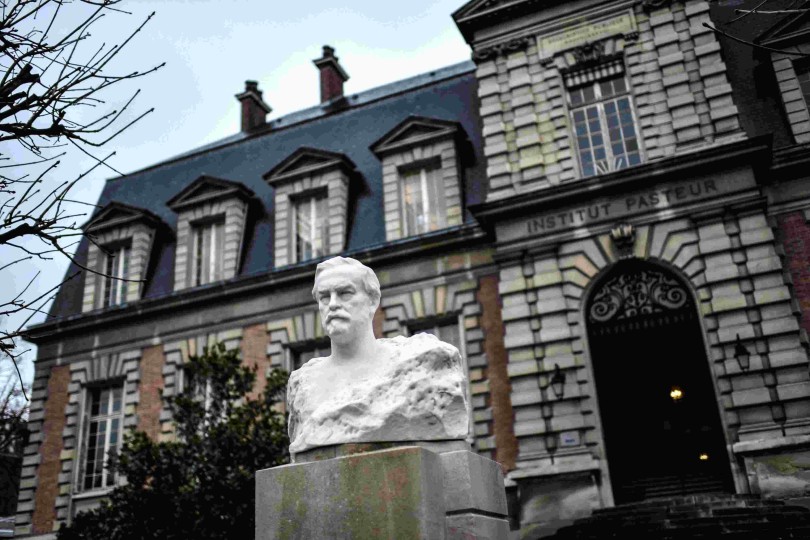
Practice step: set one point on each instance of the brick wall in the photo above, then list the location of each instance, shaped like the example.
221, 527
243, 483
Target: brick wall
496, 372
51, 450
795, 236
151, 391
254, 355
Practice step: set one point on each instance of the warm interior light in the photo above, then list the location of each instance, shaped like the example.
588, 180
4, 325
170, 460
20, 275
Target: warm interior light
704, 457
676, 393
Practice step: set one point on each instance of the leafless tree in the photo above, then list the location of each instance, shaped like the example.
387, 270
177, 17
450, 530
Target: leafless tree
771, 10
13, 432
56, 85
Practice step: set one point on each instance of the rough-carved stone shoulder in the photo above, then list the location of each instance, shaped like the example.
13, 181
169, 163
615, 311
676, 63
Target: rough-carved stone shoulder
293, 385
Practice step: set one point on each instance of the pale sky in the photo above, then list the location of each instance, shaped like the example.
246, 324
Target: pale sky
212, 46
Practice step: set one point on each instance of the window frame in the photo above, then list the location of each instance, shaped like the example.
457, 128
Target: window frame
313, 196
599, 101
432, 323
108, 294
108, 478
422, 168
802, 69
213, 259
294, 351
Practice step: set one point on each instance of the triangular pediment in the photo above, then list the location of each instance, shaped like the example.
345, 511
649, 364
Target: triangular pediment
206, 188
477, 8
412, 131
305, 161
117, 214
482, 13
790, 29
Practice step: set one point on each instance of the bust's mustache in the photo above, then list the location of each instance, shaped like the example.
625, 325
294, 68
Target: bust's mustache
338, 315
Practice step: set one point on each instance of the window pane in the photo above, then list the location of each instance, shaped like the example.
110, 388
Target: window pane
447, 331
103, 435
803, 75
311, 224
438, 209
605, 133
413, 205
198, 256
301, 357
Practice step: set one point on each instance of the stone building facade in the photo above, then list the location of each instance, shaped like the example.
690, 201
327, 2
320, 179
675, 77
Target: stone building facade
606, 211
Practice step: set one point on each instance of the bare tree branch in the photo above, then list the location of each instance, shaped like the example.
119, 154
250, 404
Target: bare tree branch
55, 86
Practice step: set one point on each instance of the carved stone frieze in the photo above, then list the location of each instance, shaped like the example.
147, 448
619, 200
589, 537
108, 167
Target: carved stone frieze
493, 51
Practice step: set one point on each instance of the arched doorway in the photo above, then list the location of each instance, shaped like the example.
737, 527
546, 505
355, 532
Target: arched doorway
660, 418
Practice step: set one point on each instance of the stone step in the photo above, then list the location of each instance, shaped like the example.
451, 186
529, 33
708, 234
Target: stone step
725, 517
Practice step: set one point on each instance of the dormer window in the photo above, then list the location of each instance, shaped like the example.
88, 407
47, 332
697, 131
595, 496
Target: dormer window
424, 206
310, 231
312, 203
122, 243
792, 35
803, 77
421, 176
211, 218
116, 269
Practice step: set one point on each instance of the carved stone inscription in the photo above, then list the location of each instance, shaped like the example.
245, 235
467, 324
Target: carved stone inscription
614, 209
574, 36
622, 207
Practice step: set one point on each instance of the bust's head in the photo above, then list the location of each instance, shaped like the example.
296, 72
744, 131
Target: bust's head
348, 294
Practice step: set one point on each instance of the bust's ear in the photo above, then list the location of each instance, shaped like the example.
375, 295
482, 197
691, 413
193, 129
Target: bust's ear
374, 305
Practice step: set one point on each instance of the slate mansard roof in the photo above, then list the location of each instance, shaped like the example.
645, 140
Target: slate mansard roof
448, 94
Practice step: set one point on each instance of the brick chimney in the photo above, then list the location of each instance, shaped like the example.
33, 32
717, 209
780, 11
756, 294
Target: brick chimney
254, 109
332, 75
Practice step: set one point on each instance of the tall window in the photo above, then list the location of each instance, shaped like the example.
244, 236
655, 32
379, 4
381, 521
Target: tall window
116, 268
300, 356
803, 76
208, 244
446, 330
103, 436
310, 227
604, 125
423, 200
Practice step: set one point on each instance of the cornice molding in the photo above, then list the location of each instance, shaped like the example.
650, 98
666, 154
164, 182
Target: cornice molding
308, 161
502, 49
208, 188
294, 275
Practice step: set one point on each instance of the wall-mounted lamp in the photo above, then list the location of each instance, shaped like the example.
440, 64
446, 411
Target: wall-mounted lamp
742, 355
558, 382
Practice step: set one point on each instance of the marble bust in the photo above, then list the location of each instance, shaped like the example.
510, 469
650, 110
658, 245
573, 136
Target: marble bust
372, 390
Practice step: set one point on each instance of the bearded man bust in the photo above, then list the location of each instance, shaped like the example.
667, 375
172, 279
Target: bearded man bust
372, 390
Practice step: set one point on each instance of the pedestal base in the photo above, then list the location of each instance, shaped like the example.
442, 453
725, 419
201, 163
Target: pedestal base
407, 492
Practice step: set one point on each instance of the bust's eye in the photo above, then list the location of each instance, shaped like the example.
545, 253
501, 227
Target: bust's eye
345, 295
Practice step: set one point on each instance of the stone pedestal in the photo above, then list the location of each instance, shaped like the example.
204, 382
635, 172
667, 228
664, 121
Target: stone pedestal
407, 492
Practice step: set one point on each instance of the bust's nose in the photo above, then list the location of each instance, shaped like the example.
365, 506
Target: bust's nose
334, 300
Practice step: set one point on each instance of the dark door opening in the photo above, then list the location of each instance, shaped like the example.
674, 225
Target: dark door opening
660, 418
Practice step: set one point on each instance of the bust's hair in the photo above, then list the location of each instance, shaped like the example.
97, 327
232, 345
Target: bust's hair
371, 284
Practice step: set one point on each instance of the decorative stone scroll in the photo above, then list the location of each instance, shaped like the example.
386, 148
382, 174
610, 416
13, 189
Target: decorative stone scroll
633, 294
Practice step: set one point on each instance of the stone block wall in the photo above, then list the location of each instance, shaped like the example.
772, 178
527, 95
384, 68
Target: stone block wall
677, 78
732, 264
